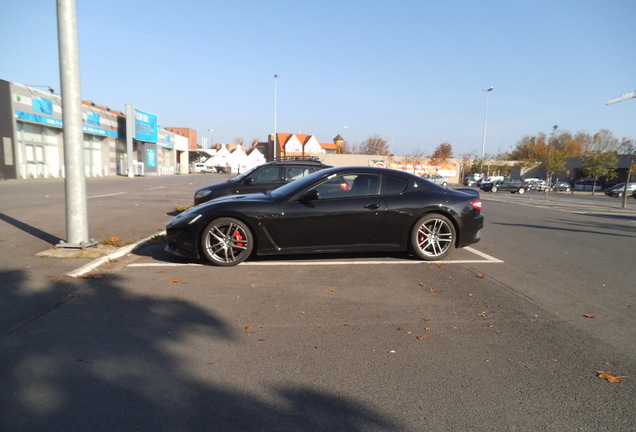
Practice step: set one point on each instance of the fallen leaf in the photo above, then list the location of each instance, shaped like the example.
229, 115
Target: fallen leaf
589, 316
420, 337
431, 290
331, 290
248, 329
481, 276
174, 281
440, 265
425, 319
610, 376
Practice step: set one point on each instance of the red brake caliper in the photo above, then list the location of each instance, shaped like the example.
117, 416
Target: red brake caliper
237, 235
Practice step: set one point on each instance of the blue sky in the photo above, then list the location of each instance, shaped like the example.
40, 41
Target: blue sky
412, 72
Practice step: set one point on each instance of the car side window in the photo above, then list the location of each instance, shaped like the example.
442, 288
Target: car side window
349, 185
266, 175
293, 173
393, 185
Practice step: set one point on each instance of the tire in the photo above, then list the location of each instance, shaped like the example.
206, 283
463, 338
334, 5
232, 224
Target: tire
226, 242
521, 191
445, 184
567, 189
494, 189
619, 195
433, 237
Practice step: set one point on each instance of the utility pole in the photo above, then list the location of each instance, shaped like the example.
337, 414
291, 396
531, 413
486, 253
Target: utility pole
548, 165
74, 180
632, 150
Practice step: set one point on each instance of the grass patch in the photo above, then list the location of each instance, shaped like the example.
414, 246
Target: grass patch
183, 207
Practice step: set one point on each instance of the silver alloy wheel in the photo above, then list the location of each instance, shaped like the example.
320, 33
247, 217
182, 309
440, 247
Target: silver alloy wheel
227, 242
433, 237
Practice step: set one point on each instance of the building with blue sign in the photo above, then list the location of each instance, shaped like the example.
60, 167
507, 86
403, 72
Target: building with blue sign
32, 145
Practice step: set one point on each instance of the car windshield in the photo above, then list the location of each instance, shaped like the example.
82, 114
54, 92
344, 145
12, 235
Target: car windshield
245, 174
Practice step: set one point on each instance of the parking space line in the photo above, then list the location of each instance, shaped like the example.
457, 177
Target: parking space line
487, 259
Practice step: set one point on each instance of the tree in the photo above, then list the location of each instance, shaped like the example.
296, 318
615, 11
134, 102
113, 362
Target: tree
527, 153
465, 164
552, 159
375, 145
628, 148
442, 153
416, 158
599, 164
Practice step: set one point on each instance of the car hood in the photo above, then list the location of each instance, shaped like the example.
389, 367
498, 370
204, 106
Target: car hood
254, 197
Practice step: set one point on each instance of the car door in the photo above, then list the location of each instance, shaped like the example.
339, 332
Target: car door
267, 178
348, 211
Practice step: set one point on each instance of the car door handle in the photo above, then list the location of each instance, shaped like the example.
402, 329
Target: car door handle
372, 206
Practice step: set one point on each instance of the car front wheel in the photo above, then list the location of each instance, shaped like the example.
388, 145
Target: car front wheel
433, 237
494, 189
521, 191
227, 242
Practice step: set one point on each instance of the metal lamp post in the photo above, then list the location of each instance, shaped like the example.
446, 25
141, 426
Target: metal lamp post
483, 142
276, 150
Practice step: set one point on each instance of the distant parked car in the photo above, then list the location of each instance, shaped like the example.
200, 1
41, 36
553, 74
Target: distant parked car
487, 182
538, 185
618, 189
472, 179
561, 186
198, 168
507, 184
587, 184
436, 178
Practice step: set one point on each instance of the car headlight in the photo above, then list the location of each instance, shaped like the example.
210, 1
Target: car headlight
184, 218
202, 193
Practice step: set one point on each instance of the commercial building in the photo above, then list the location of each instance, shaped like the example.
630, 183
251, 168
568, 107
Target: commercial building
32, 138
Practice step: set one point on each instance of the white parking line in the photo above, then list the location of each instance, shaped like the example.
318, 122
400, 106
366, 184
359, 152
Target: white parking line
487, 259
107, 195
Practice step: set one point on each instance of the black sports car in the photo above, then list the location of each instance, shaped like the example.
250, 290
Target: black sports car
346, 209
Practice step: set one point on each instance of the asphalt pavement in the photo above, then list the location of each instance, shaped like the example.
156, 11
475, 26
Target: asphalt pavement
143, 341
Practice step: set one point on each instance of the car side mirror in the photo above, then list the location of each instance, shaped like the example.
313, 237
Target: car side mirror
249, 180
311, 195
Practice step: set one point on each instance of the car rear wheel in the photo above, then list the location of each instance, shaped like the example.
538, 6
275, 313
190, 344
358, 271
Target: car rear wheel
494, 189
521, 191
227, 242
433, 237
619, 194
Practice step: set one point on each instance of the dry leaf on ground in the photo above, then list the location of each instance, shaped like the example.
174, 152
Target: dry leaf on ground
610, 376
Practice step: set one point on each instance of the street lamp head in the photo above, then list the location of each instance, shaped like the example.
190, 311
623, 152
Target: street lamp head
491, 88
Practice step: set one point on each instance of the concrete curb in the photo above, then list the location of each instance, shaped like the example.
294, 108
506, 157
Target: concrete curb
114, 255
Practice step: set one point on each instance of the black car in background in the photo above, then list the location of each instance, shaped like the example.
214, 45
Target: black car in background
619, 189
260, 179
346, 209
561, 186
507, 184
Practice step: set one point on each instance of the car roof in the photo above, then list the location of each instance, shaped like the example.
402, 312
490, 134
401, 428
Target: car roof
297, 162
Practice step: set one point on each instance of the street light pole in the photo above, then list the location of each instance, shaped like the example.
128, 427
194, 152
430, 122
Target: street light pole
276, 150
483, 142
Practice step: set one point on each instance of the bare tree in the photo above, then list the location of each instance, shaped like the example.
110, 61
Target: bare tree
441, 154
415, 158
375, 145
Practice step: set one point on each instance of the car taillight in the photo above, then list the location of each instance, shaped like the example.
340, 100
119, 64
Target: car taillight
476, 204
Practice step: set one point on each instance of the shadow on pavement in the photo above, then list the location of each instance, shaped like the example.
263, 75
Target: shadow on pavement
35, 232
105, 358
